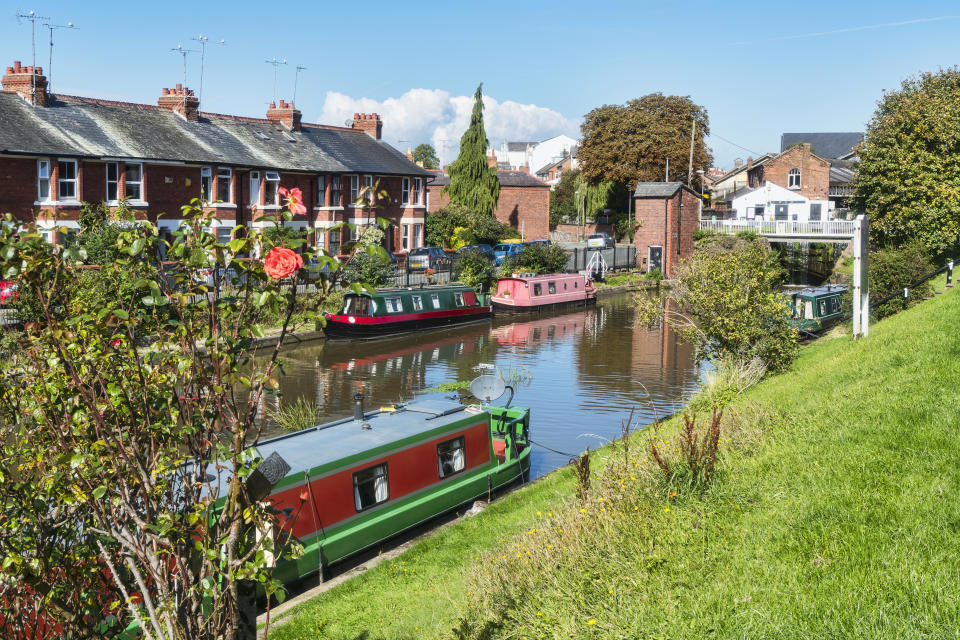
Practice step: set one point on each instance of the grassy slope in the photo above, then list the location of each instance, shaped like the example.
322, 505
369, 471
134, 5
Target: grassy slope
843, 522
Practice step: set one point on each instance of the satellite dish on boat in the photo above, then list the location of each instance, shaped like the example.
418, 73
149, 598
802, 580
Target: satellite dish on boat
487, 388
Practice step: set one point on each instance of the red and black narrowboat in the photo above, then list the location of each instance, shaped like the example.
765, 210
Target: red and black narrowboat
392, 311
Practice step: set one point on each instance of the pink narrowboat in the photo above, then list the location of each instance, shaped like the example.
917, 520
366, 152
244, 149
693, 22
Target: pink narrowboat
532, 292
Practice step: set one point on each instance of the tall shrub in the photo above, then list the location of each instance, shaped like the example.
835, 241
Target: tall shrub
473, 182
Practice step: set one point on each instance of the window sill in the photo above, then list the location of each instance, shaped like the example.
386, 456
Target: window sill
130, 203
414, 206
221, 205
794, 188
266, 207
328, 208
57, 203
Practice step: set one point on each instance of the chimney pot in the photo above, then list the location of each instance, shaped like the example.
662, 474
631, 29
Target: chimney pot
9, 70
16, 66
32, 89
181, 100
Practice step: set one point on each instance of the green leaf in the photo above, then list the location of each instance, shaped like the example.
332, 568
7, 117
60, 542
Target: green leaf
237, 244
120, 313
137, 246
257, 331
8, 252
98, 492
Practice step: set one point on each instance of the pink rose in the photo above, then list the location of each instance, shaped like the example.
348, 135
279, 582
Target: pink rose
281, 263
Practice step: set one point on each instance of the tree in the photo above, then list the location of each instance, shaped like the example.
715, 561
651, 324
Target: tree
630, 143
123, 468
563, 203
473, 182
426, 155
908, 180
456, 225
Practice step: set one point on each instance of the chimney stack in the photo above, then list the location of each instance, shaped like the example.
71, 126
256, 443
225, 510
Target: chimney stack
29, 82
749, 162
180, 100
409, 154
492, 160
369, 122
284, 113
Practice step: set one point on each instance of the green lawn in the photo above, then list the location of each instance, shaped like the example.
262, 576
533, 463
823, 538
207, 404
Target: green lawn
842, 520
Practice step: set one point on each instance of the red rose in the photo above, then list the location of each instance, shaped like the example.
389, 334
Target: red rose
281, 263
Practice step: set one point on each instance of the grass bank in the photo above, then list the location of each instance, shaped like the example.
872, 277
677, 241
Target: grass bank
834, 512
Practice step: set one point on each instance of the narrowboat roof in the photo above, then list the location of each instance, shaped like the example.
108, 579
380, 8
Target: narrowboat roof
527, 277
816, 292
452, 286
340, 439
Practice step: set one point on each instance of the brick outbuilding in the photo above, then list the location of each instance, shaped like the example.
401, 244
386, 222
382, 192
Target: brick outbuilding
668, 213
524, 202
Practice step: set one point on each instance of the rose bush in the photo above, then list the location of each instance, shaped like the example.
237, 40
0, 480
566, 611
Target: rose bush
281, 263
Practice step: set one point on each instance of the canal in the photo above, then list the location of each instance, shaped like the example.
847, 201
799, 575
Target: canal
581, 373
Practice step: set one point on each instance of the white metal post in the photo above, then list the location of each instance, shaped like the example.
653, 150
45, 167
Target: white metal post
861, 290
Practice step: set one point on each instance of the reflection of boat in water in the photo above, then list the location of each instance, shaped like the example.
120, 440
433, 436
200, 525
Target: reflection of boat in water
392, 311
356, 482
816, 307
550, 327
522, 293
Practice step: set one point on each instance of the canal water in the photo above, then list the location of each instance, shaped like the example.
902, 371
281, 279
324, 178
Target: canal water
580, 372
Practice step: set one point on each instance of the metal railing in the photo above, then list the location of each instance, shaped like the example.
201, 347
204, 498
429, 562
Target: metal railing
783, 228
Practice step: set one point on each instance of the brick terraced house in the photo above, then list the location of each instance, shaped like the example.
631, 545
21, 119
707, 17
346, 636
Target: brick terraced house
57, 151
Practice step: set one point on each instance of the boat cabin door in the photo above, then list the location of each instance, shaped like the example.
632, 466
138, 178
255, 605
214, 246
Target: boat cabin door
655, 258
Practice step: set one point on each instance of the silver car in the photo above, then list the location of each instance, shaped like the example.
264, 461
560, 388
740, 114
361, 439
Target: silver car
600, 241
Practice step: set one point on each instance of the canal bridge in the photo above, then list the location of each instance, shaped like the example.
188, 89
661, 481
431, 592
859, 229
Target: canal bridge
856, 231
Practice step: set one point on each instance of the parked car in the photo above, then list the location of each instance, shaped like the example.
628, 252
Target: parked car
600, 241
546, 243
506, 250
428, 258
483, 249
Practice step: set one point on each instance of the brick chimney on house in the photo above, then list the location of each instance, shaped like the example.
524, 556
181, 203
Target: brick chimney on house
409, 154
284, 113
369, 122
749, 162
29, 82
492, 160
525, 168
180, 100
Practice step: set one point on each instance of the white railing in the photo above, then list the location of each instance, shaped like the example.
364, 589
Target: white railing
783, 228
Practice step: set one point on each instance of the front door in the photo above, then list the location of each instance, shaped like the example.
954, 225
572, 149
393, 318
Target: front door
655, 259
781, 212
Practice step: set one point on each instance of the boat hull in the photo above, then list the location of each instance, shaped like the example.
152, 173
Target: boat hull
501, 307
378, 327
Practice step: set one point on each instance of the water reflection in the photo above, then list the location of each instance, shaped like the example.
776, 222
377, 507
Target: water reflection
589, 369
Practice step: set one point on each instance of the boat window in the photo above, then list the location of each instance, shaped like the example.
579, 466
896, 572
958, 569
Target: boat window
435, 299
470, 298
808, 310
450, 458
564, 286
576, 284
356, 306
394, 305
417, 303
370, 487
551, 287
823, 307
458, 298
537, 289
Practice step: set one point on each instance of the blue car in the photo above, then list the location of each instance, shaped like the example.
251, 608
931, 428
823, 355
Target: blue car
507, 250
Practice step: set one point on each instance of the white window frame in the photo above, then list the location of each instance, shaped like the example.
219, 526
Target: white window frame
417, 303
455, 453
43, 177
206, 184
225, 172
127, 181
115, 182
393, 304
417, 191
336, 187
417, 235
255, 187
405, 191
381, 483
354, 189
272, 176
61, 181
435, 300
793, 179
405, 236
368, 185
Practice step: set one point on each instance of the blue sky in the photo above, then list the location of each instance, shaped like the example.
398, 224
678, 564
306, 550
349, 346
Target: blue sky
759, 70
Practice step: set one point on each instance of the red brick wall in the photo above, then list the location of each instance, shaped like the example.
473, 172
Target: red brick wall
526, 208
665, 223
167, 197
814, 172
19, 179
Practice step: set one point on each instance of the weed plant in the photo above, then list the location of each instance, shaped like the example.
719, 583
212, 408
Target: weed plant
296, 416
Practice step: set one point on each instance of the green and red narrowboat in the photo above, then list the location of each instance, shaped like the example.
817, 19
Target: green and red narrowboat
357, 482
390, 311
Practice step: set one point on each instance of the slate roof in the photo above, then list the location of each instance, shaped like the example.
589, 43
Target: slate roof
520, 146
658, 189
507, 179
87, 128
826, 145
841, 175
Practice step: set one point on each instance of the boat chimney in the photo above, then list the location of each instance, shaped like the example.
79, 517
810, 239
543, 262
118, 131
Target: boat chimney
358, 407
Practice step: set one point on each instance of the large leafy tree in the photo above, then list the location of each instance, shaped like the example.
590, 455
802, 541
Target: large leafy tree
631, 143
427, 155
473, 182
908, 181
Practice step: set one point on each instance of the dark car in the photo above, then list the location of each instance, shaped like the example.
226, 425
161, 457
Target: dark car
427, 258
483, 249
545, 243
506, 250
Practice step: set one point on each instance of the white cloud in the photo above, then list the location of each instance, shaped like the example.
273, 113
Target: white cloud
434, 116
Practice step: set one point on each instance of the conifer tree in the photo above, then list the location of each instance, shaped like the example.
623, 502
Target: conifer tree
473, 182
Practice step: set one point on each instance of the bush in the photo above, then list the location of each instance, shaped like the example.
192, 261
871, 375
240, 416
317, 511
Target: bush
537, 258
473, 269
890, 270
374, 270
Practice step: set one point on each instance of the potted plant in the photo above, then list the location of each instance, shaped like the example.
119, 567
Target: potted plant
429, 273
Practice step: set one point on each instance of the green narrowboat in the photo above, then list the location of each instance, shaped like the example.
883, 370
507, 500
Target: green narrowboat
816, 307
391, 311
356, 482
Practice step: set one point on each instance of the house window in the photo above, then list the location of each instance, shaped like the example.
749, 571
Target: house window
354, 189
334, 191
43, 179
206, 183
224, 234
320, 236
224, 184
405, 191
405, 236
393, 305
815, 211
417, 303
133, 179
321, 191
254, 187
335, 242
417, 242
272, 188
368, 188
450, 458
113, 179
67, 184
370, 487
793, 179
417, 190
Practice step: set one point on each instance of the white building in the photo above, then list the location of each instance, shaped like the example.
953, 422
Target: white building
535, 155
773, 202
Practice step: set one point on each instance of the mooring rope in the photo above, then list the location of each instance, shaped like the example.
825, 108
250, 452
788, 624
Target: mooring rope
572, 456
